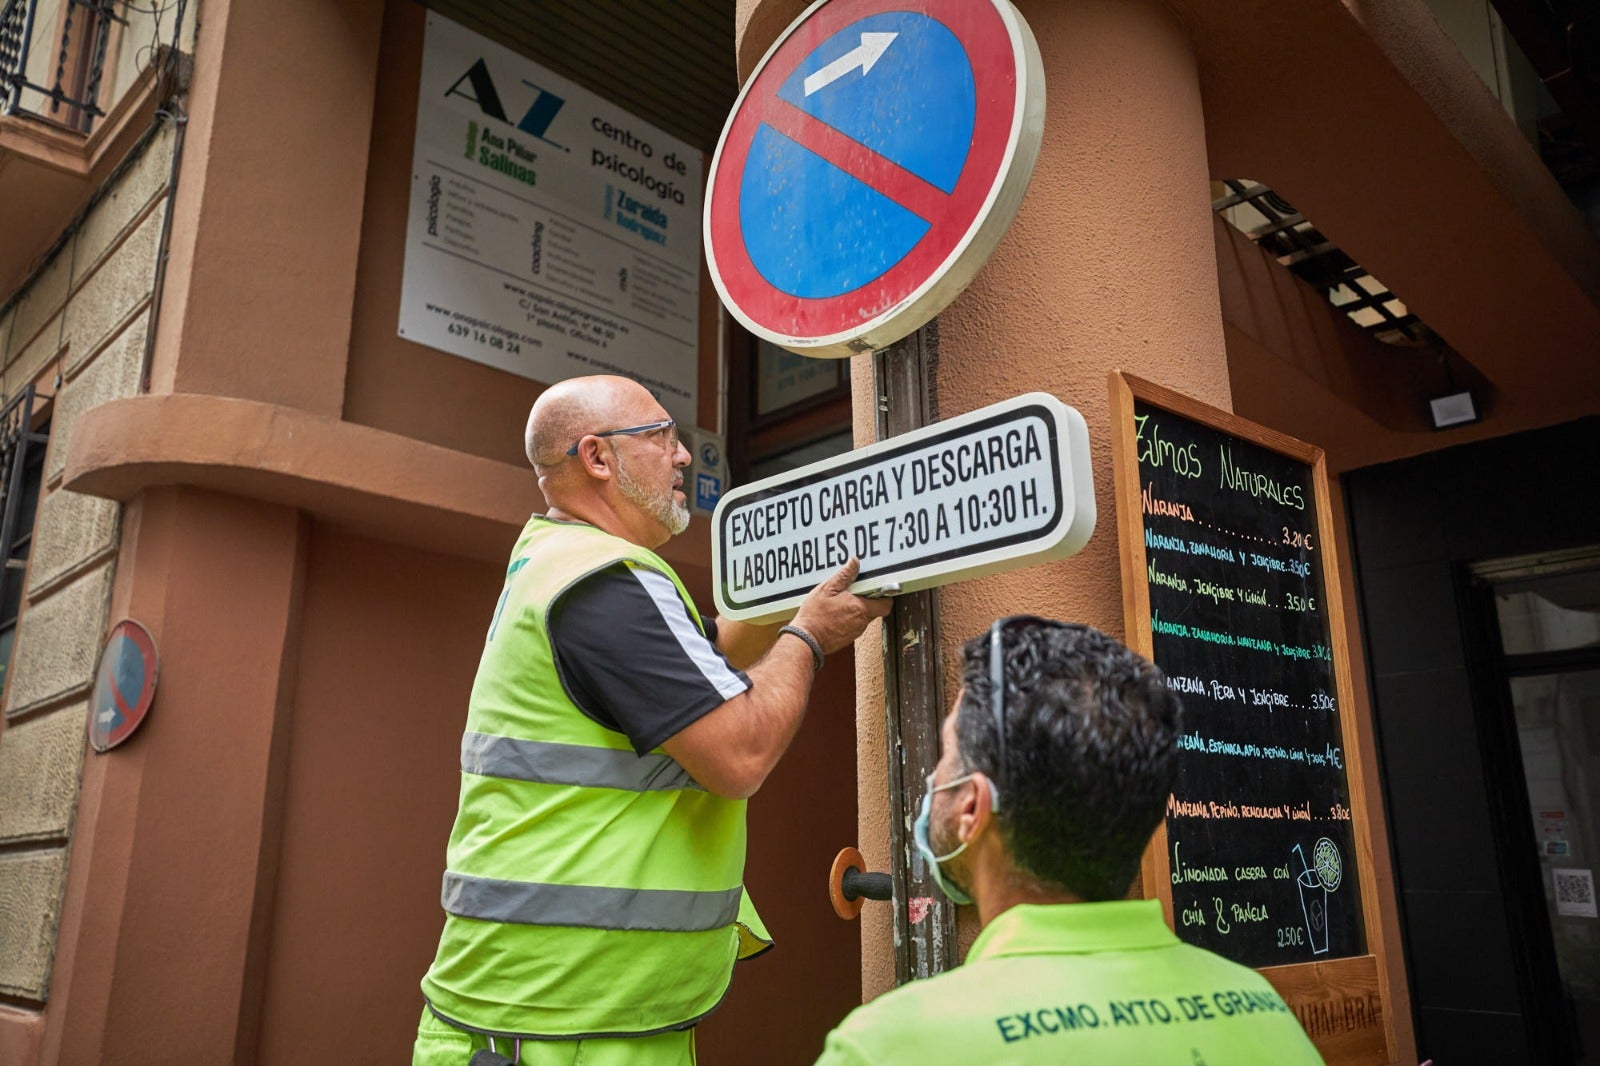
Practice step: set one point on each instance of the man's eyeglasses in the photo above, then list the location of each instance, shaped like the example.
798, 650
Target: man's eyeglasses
668, 424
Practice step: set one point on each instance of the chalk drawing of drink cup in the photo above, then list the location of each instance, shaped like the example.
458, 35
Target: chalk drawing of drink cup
1319, 877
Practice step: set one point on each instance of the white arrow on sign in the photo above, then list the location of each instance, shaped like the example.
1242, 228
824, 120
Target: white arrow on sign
864, 55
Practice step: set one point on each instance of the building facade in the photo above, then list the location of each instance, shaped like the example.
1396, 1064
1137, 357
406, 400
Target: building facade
204, 217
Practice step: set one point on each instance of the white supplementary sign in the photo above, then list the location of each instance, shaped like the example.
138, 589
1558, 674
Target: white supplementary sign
999, 488
551, 234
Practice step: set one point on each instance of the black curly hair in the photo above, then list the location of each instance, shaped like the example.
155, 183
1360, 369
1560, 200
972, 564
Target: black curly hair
1090, 750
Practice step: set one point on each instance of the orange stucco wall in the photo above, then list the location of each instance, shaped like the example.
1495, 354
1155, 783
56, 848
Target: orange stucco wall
387, 647
173, 858
1423, 179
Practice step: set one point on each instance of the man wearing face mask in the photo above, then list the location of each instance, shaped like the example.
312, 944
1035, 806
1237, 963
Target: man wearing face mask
1056, 764
593, 890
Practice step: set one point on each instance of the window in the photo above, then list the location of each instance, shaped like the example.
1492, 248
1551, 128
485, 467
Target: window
52, 55
21, 477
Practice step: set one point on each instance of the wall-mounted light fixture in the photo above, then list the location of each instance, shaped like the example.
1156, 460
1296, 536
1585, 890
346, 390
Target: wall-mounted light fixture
1457, 409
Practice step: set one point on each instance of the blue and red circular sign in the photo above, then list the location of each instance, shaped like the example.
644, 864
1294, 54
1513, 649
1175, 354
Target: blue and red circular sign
124, 686
869, 167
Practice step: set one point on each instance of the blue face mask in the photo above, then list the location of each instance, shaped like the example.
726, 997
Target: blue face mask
919, 834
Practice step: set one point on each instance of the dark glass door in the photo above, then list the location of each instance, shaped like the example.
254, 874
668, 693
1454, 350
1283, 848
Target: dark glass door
1549, 635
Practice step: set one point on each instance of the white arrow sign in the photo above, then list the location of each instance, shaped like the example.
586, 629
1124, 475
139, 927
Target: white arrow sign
1005, 486
864, 55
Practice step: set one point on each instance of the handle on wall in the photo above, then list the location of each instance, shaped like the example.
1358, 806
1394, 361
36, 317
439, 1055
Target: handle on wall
849, 887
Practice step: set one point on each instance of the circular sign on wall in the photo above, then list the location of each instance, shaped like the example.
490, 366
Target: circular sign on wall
871, 164
124, 686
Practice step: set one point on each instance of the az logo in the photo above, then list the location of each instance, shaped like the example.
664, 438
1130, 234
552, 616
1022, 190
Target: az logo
480, 89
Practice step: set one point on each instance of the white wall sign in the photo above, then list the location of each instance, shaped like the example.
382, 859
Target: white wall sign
1002, 487
551, 233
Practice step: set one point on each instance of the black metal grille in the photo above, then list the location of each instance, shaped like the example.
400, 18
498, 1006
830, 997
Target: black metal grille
72, 96
1300, 246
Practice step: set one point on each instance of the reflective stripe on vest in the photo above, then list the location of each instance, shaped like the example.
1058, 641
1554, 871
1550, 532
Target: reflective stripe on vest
589, 906
572, 764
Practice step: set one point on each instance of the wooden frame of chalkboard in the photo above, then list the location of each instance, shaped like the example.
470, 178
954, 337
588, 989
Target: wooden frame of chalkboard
1231, 584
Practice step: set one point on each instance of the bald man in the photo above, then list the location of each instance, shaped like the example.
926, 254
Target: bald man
593, 890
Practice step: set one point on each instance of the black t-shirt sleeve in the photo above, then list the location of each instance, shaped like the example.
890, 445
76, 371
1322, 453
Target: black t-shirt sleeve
631, 657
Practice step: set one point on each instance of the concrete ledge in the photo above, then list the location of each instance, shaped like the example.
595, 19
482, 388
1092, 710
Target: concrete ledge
366, 479
371, 481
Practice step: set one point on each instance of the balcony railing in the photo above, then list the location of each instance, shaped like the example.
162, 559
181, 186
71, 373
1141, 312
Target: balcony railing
52, 56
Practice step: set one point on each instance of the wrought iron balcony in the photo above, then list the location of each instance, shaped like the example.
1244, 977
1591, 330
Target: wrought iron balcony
52, 55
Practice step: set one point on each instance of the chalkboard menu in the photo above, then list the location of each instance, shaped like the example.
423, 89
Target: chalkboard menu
1260, 845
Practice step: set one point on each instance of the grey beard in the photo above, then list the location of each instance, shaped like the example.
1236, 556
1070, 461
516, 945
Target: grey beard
663, 508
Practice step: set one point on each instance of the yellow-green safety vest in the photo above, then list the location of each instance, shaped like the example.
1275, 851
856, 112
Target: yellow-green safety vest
588, 890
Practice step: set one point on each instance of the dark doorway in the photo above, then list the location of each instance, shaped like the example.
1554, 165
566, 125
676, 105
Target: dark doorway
1544, 658
1481, 969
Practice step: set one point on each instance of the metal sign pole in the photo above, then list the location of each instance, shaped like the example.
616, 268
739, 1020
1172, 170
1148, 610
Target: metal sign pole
924, 921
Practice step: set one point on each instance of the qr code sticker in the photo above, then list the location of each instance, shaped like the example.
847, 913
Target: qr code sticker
1575, 893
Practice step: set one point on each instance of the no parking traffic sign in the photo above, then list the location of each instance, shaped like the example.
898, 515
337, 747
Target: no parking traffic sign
124, 685
871, 164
